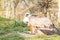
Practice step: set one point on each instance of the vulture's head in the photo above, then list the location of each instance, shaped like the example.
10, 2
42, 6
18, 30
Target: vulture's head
26, 17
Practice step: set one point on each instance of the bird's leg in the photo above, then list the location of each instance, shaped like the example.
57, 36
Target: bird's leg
32, 29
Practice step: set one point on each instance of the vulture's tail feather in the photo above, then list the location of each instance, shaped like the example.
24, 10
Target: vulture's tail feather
56, 30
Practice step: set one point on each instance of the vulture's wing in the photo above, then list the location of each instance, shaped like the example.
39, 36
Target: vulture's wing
49, 31
44, 24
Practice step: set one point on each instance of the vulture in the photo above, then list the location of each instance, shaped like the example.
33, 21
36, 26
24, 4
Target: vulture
43, 24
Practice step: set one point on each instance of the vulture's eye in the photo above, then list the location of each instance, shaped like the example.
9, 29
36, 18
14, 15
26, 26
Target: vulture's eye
27, 15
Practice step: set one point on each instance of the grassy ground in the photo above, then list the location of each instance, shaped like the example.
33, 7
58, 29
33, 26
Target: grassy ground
9, 28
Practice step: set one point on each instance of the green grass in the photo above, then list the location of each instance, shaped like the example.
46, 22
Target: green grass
4, 19
12, 27
45, 37
8, 26
12, 37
